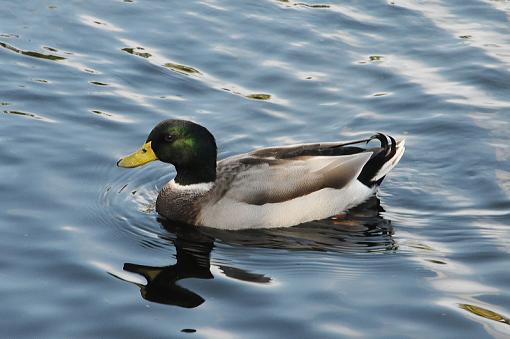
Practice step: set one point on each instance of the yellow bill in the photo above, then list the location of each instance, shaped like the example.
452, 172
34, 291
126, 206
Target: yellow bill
138, 158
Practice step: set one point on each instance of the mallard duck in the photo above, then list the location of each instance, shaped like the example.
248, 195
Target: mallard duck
268, 187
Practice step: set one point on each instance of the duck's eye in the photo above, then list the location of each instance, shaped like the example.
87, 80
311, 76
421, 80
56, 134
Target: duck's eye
168, 138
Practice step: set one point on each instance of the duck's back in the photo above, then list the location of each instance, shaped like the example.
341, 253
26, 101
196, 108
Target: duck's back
285, 186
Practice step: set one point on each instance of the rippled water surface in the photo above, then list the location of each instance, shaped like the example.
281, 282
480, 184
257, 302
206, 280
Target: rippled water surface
85, 255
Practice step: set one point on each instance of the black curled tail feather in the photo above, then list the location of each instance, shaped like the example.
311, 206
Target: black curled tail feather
381, 156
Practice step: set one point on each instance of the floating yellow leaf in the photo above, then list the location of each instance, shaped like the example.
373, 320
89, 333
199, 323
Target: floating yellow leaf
485, 313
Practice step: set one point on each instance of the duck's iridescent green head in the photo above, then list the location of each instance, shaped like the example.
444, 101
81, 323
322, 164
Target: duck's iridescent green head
190, 147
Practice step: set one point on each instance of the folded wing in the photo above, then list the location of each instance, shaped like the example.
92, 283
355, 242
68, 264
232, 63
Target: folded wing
265, 177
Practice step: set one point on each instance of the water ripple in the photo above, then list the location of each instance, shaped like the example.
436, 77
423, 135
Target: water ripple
82, 85
33, 54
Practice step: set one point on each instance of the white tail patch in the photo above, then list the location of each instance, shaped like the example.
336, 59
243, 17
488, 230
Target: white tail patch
388, 165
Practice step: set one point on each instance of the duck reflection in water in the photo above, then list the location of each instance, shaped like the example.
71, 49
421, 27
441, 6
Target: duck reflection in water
362, 229
162, 287
193, 251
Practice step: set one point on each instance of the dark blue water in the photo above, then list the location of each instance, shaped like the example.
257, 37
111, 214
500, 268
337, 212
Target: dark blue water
84, 253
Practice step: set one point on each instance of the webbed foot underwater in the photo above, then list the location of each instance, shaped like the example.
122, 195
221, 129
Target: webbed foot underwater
268, 187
